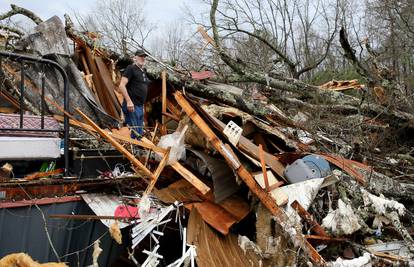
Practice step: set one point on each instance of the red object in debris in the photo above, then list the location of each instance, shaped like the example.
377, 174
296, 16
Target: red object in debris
202, 75
126, 211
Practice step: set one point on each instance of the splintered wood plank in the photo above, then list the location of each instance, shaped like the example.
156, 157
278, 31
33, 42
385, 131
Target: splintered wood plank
280, 216
10, 99
186, 174
107, 81
117, 145
157, 173
103, 93
278, 195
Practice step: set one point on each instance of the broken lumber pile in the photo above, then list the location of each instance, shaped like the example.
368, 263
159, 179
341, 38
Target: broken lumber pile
257, 185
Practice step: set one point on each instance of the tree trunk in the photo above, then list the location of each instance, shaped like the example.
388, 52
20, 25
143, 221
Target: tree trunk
237, 97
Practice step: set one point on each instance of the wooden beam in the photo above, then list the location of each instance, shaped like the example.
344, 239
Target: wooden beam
315, 227
248, 147
262, 162
280, 216
89, 128
90, 217
10, 99
84, 64
163, 128
326, 238
259, 140
186, 174
157, 173
153, 134
137, 142
117, 145
100, 84
275, 185
206, 37
164, 91
278, 195
171, 116
173, 109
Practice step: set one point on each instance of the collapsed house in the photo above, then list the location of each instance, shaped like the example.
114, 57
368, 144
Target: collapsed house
217, 180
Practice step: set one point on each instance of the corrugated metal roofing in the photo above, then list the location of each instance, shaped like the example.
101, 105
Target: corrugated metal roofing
22, 230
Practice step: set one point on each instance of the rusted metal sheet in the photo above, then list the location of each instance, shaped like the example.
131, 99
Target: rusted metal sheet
215, 250
57, 187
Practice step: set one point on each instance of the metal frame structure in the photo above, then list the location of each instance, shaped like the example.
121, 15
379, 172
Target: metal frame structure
22, 59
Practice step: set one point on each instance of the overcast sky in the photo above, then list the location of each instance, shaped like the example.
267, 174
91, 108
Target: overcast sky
158, 11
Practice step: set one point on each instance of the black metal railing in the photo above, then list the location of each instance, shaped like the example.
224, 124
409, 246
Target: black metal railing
24, 59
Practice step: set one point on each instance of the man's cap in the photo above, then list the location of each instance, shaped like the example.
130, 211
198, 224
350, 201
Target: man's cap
141, 52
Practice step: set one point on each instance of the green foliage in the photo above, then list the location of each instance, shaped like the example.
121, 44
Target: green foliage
327, 75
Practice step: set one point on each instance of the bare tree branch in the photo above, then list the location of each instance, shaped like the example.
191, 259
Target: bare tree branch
15, 10
12, 29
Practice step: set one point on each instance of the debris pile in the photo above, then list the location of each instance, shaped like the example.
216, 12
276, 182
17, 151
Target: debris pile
253, 189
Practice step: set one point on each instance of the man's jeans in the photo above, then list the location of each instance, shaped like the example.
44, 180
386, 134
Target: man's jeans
134, 119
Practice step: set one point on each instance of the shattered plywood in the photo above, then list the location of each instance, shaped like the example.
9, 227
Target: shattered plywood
215, 250
342, 85
181, 191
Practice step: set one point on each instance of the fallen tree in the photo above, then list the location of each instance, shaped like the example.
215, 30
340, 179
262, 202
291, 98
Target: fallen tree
305, 92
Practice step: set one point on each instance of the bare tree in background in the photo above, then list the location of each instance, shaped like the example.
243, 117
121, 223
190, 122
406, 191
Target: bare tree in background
121, 22
391, 34
295, 34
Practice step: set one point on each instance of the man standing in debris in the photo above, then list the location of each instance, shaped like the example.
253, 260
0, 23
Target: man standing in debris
134, 88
